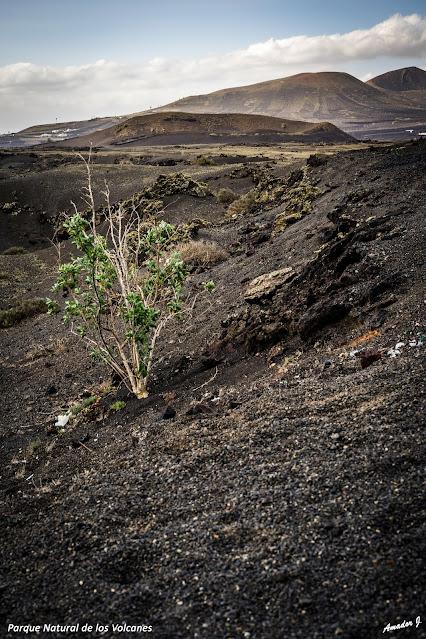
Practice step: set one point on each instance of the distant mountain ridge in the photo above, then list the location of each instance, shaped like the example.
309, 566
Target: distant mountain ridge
336, 97
408, 79
391, 102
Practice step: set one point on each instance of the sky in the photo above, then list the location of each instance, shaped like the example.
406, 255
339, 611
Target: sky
63, 60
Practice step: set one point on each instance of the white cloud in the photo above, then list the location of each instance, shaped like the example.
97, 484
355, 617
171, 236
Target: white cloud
32, 93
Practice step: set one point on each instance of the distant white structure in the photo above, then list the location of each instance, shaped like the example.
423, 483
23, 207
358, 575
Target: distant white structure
423, 133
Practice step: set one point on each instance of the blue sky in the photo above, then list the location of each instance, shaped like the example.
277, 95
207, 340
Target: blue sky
78, 59
79, 31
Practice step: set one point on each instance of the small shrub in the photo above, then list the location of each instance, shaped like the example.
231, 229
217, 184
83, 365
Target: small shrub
245, 204
86, 403
22, 311
123, 287
118, 405
15, 250
225, 196
201, 253
204, 160
209, 286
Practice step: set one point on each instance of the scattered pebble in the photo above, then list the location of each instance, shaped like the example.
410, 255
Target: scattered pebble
62, 420
169, 413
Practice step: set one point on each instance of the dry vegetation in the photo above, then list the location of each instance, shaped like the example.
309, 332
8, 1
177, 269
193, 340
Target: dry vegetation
225, 196
201, 253
243, 204
204, 160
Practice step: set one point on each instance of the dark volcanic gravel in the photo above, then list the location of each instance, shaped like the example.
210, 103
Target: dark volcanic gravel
284, 498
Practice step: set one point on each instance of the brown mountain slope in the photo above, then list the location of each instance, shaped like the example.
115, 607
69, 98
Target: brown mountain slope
390, 102
408, 79
336, 97
408, 85
187, 128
